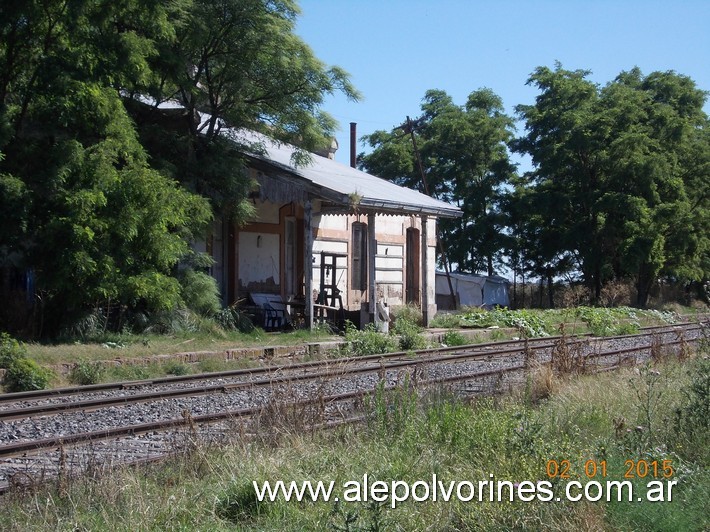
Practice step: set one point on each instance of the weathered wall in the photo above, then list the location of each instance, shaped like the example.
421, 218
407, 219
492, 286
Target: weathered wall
258, 247
259, 260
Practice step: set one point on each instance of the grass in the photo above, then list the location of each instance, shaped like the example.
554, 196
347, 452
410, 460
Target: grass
130, 346
405, 335
600, 321
410, 437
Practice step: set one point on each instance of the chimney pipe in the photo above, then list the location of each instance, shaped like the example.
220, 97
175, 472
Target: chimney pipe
353, 144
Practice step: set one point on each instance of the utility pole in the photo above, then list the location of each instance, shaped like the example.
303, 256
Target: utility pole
408, 127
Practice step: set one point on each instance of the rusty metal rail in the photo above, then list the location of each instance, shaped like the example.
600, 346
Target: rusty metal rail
399, 362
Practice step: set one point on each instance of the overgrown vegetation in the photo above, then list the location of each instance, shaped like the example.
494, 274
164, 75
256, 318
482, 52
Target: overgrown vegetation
529, 323
454, 338
101, 189
405, 335
410, 436
21, 373
601, 321
86, 372
618, 190
368, 341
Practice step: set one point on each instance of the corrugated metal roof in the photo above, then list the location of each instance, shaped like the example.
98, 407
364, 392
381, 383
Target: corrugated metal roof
342, 181
372, 192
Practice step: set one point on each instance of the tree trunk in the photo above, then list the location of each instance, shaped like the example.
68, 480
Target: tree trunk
596, 284
644, 281
550, 291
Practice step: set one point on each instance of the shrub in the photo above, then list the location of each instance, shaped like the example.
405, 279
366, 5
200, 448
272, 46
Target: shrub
446, 321
177, 368
91, 326
454, 338
527, 322
409, 313
599, 320
10, 350
608, 321
692, 421
24, 375
175, 321
84, 373
476, 317
409, 335
129, 372
233, 319
200, 292
368, 341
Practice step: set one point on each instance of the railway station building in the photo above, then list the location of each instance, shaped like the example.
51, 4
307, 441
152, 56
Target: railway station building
327, 241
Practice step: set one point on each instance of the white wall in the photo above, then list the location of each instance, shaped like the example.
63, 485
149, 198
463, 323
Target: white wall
258, 258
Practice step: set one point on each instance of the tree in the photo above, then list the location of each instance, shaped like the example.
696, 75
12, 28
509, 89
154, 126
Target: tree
566, 146
99, 201
240, 63
657, 168
533, 238
620, 161
465, 159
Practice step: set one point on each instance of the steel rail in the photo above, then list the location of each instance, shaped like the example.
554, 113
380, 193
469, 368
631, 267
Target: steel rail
278, 375
12, 449
37, 446
486, 348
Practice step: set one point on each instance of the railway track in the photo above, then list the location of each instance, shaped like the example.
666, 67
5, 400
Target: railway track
68, 431
74, 398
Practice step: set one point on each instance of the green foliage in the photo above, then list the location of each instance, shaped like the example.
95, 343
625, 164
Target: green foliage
692, 418
239, 503
529, 323
412, 435
369, 341
11, 350
410, 313
409, 333
200, 292
129, 372
610, 321
85, 372
24, 374
617, 180
464, 154
367, 516
180, 321
445, 321
177, 368
447, 421
454, 338
100, 191
392, 412
21, 373
476, 317
233, 319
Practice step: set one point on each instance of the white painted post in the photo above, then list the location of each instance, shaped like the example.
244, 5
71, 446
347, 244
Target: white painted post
425, 272
371, 268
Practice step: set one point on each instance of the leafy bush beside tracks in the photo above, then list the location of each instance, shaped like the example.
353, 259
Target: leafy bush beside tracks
21, 373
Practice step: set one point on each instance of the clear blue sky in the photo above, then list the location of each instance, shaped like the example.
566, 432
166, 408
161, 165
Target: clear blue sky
395, 50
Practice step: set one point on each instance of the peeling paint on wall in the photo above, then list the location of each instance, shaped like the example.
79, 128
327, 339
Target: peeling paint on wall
258, 258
